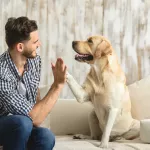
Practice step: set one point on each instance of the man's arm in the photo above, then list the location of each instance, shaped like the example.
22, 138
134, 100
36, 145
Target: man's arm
17, 104
44, 106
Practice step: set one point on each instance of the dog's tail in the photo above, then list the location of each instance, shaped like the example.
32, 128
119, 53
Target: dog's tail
134, 131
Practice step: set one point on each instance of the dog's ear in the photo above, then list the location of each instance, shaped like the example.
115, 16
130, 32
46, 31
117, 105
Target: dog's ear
104, 48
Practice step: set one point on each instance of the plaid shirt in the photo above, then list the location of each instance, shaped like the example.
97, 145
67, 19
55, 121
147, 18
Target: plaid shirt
11, 101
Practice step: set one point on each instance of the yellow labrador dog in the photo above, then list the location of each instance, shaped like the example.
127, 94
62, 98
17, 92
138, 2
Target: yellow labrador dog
105, 86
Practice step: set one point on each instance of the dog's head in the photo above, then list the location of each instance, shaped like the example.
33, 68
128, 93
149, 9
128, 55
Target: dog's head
95, 47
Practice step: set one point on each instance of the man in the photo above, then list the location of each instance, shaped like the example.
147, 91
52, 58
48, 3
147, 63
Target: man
21, 111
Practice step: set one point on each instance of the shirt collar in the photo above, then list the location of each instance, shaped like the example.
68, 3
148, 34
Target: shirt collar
13, 66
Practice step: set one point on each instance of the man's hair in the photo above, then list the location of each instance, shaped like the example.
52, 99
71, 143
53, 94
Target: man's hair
18, 30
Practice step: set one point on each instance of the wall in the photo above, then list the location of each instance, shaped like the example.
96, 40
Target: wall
126, 23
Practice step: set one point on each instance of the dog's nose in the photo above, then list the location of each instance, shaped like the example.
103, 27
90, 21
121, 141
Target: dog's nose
74, 43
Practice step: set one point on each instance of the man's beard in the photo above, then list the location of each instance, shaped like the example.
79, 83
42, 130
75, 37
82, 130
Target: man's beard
28, 53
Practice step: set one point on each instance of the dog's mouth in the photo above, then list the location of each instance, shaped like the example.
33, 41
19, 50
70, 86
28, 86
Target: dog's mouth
83, 57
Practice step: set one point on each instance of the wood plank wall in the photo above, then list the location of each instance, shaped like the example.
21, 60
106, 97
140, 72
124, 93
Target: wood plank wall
126, 23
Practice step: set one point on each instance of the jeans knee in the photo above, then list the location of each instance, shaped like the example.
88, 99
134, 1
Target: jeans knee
50, 138
23, 125
47, 137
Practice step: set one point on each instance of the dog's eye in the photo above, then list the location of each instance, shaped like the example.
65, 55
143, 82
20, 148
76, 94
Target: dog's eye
90, 41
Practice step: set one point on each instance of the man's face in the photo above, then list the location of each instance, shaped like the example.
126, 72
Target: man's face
31, 45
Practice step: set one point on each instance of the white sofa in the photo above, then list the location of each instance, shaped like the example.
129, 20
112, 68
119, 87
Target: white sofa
68, 117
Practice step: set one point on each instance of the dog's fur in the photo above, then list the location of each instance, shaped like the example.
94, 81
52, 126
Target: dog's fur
105, 86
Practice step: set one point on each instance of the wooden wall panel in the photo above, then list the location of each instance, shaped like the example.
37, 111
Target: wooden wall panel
125, 23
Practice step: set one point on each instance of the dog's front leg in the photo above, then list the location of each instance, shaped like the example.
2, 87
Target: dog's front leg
80, 94
109, 124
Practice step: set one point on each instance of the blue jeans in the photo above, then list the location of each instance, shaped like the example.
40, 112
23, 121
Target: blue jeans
18, 133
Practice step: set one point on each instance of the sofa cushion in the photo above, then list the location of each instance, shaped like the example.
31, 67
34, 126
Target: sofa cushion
67, 116
145, 130
67, 143
70, 117
140, 98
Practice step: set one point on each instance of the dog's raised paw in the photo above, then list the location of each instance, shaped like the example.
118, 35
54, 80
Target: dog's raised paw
68, 76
